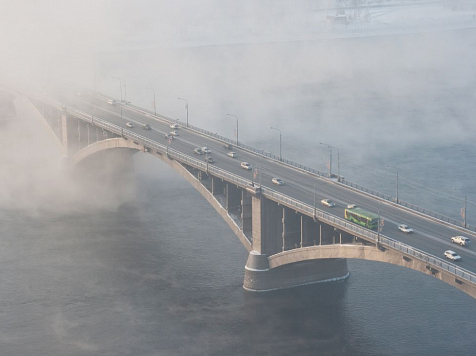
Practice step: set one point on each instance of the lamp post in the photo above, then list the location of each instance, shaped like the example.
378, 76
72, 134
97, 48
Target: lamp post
120, 87
280, 156
465, 204
396, 184
155, 110
330, 159
186, 107
236, 127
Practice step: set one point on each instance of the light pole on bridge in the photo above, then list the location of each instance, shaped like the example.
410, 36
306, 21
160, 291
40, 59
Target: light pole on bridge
155, 110
330, 159
280, 156
396, 184
465, 204
236, 127
120, 87
186, 107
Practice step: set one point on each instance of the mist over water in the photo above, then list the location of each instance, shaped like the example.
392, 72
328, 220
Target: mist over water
97, 265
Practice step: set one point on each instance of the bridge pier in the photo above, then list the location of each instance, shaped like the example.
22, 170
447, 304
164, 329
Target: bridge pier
259, 277
275, 229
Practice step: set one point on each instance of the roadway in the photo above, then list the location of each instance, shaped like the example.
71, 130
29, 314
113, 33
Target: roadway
429, 236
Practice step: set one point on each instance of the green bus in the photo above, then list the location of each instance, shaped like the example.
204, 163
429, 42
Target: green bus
362, 217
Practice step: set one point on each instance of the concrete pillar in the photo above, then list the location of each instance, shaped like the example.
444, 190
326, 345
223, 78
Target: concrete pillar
309, 231
291, 229
218, 186
327, 234
233, 197
246, 213
64, 133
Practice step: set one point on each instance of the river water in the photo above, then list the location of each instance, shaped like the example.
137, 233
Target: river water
88, 269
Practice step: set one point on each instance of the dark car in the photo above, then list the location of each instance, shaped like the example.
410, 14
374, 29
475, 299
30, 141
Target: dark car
209, 160
228, 146
146, 127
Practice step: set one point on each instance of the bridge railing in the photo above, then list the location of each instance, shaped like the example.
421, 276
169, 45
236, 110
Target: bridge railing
410, 205
286, 200
313, 171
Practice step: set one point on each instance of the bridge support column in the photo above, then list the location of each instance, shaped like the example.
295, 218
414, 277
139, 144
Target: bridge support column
291, 229
233, 198
246, 212
309, 231
218, 186
271, 225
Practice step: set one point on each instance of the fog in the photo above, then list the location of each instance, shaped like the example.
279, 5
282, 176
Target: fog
94, 264
256, 60
271, 63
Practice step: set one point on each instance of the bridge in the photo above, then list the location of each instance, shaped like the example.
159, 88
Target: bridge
292, 239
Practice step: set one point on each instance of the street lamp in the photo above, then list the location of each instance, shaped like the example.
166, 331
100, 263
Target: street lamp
236, 127
465, 204
120, 87
330, 159
280, 156
396, 184
155, 110
186, 107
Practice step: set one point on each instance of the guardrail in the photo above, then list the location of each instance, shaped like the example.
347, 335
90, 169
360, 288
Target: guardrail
409, 205
283, 199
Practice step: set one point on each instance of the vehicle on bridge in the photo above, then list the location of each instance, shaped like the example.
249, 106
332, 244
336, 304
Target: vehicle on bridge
198, 151
277, 181
460, 240
169, 136
451, 255
362, 217
228, 146
327, 202
111, 102
351, 206
405, 228
209, 160
130, 124
206, 150
245, 165
174, 133
146, 127
174, 126
232, 154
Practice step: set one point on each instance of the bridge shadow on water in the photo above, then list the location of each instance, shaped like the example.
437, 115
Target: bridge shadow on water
311, 319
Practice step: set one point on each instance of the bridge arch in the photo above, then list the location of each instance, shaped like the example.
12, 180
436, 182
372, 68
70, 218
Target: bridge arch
121, 143
99, 146
369, 253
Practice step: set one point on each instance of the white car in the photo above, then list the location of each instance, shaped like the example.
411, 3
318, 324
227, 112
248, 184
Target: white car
246, 165
451, 255
405, 228
277, 181
174, 133
111, 102
461, 240
174, 126
198, 151
130, 124
351, 206
232, 154
327, 202
206, 150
